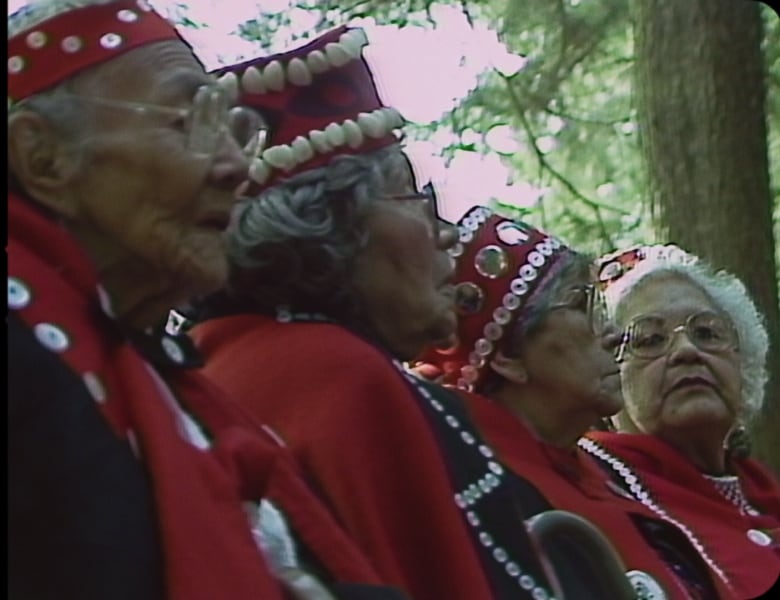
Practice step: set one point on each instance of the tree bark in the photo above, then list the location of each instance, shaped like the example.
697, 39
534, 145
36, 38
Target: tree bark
701, 95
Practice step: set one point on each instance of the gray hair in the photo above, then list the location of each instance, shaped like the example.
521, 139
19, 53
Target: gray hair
729, 295
295, 243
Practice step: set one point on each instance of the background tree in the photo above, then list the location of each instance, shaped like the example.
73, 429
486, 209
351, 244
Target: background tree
691, 76
701, 96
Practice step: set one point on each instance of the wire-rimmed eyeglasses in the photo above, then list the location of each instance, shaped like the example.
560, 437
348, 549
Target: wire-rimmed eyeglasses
651, 336
204, 123
427, 197
589, 299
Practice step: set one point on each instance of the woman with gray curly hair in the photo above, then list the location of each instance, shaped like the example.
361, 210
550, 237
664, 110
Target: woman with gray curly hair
340, 272
309, 245
693, 371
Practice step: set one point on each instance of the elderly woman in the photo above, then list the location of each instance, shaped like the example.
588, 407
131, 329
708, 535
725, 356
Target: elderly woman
533, 362
693, 369
340, 273
129, 475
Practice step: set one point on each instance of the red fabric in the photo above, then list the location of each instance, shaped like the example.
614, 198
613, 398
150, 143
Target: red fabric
49, 64
529, 256
361, 439
569, 480
338, 94
208, 547
677, 485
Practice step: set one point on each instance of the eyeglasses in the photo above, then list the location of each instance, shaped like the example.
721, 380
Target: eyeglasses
204, 123
651, 336
427, 196
589, 299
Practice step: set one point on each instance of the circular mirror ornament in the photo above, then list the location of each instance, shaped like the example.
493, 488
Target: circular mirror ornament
491, 262
469, 298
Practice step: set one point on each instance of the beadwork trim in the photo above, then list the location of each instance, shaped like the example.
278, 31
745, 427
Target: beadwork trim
730, 488
512, 301
491, 480
640, 493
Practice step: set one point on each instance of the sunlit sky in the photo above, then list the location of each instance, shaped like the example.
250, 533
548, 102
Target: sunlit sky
423, 72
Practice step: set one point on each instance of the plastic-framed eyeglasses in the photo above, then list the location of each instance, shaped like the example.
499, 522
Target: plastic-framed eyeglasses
204, 123
650, 336
590, 299
427, 197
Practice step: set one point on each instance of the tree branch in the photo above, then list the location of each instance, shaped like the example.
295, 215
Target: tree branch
597, 207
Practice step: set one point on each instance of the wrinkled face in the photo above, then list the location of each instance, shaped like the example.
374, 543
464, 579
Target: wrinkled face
404, 274
152, 210
684, 387
574, 366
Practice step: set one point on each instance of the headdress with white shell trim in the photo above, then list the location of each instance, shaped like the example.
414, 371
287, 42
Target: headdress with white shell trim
319, 100
501, 265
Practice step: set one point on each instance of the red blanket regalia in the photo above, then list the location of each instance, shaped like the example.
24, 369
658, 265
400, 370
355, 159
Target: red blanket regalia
570, 480
208, 551
362, 440
745, 547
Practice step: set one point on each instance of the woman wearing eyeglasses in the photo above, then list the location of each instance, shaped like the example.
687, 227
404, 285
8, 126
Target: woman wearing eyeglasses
340, 273
692, 360
534, 365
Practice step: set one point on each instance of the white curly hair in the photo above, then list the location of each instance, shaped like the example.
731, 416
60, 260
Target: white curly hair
728, 294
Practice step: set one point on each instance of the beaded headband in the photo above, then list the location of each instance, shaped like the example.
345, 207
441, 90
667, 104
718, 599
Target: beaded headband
500, 264
611, 268
319, 100
72, 39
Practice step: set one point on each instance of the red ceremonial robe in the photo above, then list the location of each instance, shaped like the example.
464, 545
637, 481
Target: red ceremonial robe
360, 436
745, 547
70, 351
570, 480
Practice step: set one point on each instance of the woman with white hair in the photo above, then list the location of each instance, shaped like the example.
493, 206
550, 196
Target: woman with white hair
693, 371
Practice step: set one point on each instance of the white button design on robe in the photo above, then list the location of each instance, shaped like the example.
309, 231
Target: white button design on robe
758, 537
52, 337
18, 293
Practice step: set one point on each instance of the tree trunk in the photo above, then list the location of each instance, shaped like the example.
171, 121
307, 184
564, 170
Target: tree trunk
701, 98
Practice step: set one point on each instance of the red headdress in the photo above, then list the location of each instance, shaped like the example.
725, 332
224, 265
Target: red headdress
501, 264
62, 40
615, 265
319, 100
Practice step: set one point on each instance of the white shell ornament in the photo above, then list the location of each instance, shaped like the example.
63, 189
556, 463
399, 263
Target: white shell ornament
252, 81
337, 55
302, 149
320, 141
298, 73
335, 134
371, 124
317, 62
259, 171
281, 157
352, 133
273, 76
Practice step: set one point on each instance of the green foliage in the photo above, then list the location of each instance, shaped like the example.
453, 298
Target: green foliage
570, 107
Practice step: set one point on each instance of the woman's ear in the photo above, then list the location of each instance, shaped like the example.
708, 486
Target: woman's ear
42, 161
511, 368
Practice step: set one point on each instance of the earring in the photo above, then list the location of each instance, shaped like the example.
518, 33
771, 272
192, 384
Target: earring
737, 442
